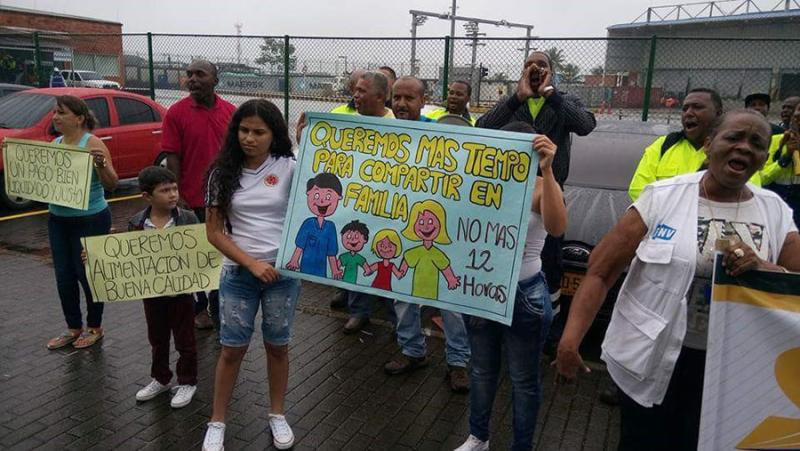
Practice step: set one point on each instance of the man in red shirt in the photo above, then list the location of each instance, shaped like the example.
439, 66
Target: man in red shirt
193, 132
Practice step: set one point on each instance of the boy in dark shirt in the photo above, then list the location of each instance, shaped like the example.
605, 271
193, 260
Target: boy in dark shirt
168, 314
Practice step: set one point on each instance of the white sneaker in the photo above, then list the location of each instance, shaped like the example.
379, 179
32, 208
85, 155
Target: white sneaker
474, 444
215, 437
183, 396
151, 390
282, 435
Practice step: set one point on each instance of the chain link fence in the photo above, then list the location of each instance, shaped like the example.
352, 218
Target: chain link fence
617, 78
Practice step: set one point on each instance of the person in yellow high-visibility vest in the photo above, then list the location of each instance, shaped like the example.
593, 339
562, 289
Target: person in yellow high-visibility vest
681, 152
458, 95
780, 173
350, 107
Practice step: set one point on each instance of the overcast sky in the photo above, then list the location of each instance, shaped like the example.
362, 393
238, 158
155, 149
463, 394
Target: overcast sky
550, 18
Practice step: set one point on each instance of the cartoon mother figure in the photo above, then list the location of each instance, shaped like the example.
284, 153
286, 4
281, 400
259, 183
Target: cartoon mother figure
427, 223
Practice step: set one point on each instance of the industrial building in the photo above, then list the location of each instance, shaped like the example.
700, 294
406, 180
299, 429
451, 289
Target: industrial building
736, 47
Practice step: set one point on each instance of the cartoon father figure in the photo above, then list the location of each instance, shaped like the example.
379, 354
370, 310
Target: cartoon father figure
317, 240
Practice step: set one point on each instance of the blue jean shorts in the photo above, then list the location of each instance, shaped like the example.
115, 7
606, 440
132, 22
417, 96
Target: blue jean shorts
241, 293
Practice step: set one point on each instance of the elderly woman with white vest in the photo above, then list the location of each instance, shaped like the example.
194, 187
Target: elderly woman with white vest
655, 344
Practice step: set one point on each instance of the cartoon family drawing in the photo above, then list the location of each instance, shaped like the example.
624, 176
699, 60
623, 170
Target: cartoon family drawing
428, 224
316, 244
354, 236
387, 246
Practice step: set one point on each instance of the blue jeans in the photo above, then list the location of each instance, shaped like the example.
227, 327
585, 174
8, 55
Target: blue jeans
412, 342
240, 295
65, 233
360, 305
523, 350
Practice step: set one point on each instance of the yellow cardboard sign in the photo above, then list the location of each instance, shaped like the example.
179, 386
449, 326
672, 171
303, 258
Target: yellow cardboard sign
151, 263
46, 172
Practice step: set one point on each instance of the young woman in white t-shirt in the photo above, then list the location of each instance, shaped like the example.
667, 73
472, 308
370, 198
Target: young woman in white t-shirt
247, 195
533, 313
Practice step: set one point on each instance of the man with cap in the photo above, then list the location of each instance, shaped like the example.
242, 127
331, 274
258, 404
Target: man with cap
760, 101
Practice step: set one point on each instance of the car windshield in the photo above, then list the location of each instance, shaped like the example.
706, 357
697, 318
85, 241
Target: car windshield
90, 76
23, 110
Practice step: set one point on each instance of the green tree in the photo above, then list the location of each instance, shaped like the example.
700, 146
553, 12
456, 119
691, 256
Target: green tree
556, 56
571, 73
272, 55
597, 70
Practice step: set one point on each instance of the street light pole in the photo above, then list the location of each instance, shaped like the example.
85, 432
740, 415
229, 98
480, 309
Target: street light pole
415, 21
527, 41
452, 32
413, 44
472, 32
238, 26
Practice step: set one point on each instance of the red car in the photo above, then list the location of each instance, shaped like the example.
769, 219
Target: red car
129, 124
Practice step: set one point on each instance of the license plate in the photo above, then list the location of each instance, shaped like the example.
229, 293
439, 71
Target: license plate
570, 282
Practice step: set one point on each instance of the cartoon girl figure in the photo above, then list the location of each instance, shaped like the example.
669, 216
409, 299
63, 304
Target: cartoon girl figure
387, 245
427, 223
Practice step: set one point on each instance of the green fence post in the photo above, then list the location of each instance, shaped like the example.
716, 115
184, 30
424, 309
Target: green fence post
446, 69
150, 65
37, 60
286, 77
648, 84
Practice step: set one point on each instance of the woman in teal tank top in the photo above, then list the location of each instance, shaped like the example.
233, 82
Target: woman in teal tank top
66, 226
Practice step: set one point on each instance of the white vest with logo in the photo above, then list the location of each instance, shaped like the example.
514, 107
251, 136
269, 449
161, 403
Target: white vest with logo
648, 324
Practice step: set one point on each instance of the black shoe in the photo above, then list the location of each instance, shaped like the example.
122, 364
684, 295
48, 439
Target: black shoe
404, 364
339, 300
202, 321
353, 325
458, 378
610, 395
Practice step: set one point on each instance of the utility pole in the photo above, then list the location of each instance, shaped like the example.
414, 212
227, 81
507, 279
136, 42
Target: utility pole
238, 26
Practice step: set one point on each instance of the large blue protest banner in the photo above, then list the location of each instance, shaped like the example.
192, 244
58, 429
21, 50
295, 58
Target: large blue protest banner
426, 213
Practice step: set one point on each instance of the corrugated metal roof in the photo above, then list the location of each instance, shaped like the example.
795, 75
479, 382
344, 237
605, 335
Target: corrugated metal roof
748, 17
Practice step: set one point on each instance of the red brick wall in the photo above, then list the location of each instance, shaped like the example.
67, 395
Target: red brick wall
98, 45
111, 45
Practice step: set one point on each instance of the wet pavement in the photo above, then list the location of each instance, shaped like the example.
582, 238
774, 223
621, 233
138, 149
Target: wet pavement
338, 397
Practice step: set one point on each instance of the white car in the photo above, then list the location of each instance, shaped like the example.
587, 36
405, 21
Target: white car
87, 79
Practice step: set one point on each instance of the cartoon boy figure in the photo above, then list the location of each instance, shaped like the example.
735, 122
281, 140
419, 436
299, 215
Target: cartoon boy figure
427, 223
387, 246
316, 241
354, 236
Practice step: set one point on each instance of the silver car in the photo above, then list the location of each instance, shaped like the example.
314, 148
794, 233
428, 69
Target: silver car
596, 192
87, 79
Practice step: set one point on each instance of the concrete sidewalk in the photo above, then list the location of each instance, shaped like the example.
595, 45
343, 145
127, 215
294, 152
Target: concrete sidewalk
339, 397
